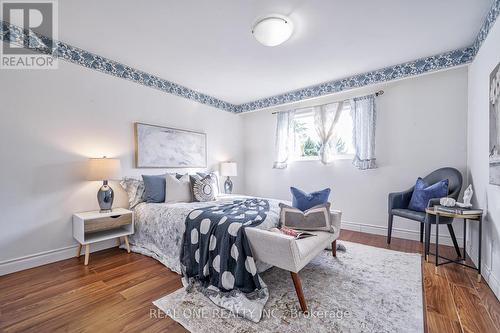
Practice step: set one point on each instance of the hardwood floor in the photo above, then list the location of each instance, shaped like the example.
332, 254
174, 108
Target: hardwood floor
114, 293
453, 299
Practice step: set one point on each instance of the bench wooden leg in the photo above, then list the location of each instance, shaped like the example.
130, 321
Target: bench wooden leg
334, 248
298, 290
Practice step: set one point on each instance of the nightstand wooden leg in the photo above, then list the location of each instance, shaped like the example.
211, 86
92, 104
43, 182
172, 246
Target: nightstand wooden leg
79, 250
127, 244
87, 254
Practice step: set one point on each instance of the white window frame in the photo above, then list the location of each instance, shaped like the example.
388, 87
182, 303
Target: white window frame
304, 113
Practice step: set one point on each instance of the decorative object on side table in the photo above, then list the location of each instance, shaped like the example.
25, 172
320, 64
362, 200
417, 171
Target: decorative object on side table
467, 198
92, 227
447, 202
104, 169
441, 212
228, 169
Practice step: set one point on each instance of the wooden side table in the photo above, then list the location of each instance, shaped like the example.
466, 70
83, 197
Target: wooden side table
92, 227
461, 261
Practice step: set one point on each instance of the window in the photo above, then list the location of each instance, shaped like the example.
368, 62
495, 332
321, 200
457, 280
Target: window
307, 143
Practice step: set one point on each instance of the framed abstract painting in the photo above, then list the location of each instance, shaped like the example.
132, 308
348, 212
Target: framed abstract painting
165, 147
494, 102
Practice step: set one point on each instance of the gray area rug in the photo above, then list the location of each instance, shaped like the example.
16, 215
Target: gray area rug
364, 289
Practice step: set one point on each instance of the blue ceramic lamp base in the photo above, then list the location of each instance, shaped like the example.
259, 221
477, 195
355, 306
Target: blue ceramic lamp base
105, 197
228, 186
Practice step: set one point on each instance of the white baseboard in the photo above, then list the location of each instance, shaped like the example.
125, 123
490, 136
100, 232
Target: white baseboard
47, 257
488, 276
491, 280
398, 232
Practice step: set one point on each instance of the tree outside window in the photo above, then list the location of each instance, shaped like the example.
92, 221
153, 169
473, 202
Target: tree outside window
307, 144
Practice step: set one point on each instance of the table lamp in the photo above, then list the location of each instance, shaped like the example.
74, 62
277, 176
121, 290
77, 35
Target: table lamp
104, 169
228, 169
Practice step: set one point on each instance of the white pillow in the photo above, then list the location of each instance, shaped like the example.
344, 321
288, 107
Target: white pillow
177, 190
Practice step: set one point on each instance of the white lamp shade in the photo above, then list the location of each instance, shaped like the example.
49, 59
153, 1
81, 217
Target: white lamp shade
228, 169
103, 169
273, 30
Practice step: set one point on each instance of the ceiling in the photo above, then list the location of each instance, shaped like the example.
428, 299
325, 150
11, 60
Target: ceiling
207, 45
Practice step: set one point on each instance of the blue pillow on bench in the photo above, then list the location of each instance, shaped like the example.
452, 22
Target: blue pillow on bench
424, 192
304, 201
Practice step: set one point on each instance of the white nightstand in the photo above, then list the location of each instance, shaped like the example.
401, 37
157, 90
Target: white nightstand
92, 227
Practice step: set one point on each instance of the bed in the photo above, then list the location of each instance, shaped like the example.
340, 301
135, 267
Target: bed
205, 243
159, 228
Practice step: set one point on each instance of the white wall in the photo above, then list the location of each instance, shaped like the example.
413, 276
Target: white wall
486, 195
421, 126
51, 122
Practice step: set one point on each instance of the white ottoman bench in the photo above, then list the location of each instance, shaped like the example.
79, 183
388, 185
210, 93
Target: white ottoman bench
292, 254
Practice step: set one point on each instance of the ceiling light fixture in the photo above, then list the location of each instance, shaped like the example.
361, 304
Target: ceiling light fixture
272, 30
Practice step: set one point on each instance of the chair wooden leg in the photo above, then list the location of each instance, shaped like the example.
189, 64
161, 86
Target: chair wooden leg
334, 248
298, 290
421, 232
389, 229
454, 239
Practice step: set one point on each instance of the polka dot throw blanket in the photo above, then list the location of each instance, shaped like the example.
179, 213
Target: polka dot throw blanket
215, 251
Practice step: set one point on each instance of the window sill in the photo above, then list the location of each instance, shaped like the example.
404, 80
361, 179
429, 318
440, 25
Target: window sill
315, 158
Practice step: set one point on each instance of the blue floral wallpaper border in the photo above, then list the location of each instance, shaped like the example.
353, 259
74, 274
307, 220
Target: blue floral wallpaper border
416, 67
87, 59
412, 68
486, 27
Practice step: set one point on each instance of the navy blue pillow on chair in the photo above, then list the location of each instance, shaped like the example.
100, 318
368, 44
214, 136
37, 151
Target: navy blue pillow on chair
304, 201
154, 188
422, 193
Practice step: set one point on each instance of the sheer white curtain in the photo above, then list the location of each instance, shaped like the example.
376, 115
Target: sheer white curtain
325, 118
284, 139
364, 118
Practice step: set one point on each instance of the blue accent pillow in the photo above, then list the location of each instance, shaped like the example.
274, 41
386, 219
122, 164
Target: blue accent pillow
304, 201
424, 192
154, 188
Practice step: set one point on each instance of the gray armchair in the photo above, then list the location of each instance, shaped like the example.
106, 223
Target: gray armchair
399, 201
